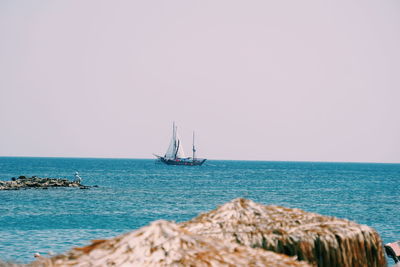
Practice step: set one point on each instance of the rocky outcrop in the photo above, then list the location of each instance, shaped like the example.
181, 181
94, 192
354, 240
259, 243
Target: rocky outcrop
23, 182
164, 243
320, 240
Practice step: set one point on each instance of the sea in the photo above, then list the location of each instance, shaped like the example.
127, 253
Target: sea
131, 193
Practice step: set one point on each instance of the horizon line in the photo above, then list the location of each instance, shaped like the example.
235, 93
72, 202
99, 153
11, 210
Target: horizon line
208, 159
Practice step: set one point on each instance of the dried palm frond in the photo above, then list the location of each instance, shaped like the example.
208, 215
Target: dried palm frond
320, 240
164, 243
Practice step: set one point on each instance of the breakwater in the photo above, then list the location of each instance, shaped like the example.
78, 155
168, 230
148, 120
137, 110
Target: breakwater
23, 182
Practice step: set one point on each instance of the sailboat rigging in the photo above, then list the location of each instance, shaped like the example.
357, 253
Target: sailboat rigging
175, 154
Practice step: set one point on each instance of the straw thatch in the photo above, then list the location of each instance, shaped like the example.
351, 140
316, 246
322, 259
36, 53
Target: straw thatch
10, 264
166, 244
320, 240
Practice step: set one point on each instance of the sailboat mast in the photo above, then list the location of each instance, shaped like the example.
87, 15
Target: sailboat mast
173, 131
194, 149
174, 136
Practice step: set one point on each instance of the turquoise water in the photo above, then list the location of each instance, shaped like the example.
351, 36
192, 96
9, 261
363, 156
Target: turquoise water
134, 192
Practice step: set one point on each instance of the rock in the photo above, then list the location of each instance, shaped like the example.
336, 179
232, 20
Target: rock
322, 241
24, 182
84, 187
164, 243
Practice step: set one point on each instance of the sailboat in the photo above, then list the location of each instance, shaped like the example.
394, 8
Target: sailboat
175, 154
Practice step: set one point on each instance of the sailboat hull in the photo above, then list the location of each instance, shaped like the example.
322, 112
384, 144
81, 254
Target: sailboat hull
185, 162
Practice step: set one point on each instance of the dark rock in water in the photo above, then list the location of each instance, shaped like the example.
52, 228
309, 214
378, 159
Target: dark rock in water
24, 182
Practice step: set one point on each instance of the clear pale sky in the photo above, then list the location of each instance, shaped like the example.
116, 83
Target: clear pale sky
257, 80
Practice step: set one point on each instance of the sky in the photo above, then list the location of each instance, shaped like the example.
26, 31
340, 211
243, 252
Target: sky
283, 80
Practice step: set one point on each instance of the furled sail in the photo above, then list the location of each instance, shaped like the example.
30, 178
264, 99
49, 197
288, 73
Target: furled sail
175, 148
170, 154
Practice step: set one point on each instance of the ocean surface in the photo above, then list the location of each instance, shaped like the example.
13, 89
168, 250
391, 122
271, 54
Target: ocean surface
134, 192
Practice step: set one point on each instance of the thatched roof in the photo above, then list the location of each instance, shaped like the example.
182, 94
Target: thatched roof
320, 240
164, 243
